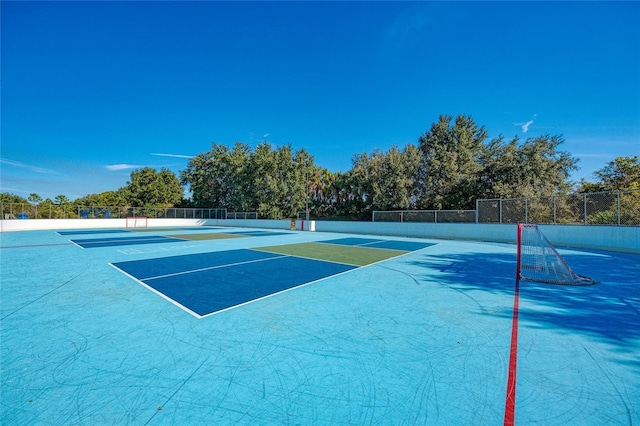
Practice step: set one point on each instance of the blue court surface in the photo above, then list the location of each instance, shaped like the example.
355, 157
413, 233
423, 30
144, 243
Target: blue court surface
220, 332
207, 283
124, 241
378, 243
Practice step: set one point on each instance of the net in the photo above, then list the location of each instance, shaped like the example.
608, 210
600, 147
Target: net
539, 261
136, 222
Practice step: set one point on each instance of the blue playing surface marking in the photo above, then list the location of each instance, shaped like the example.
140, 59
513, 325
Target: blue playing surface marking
383, 244
211, 282
94, 231
124, 241
144, 269
258, 233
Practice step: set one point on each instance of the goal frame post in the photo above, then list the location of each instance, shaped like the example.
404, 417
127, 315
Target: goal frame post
543, 261
136, 222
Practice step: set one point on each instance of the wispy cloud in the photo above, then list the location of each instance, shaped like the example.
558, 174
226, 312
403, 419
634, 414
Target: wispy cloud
525, 126
29, 167
117, 167
172, 155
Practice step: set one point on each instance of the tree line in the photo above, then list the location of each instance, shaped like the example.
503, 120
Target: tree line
453, 164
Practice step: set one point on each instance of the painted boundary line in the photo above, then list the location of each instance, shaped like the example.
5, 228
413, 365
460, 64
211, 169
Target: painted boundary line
228, 265
510, 402
123, 241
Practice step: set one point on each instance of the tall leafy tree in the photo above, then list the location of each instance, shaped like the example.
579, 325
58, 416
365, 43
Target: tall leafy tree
534, 167
149, 188
386, 180
546, 169
450, 162
623, 173
34, 198
280, 180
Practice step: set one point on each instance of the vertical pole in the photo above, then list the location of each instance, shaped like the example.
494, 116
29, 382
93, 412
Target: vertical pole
618, 206
307, 190
584, 212
518, 250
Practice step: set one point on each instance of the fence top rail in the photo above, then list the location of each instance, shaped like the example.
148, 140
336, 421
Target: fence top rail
423, 211
573, 194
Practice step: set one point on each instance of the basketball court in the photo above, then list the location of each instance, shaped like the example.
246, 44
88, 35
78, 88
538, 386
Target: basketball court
252, 326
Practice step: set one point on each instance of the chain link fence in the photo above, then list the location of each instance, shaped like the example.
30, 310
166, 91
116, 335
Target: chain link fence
600, 208
54, 211
242, 215
620, 208
429, 216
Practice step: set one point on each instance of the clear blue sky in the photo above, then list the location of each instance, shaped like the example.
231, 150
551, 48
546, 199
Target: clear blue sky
94, 90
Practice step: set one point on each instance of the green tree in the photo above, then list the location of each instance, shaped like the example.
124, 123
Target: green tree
533, 168
623, 173
34, 198
545, 169
271, 181
386, 180
7, 197
199, 177
279, 180
61, 200
450, 163
148, 188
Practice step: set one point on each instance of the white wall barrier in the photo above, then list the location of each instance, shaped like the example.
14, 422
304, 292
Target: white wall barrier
601, 237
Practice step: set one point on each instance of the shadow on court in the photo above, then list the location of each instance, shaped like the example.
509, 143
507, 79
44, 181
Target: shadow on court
609, 311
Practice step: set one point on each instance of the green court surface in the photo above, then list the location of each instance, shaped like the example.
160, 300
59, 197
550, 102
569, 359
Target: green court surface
350, 255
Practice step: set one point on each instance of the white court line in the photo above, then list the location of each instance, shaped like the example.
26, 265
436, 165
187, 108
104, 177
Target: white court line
212, 267
125, 240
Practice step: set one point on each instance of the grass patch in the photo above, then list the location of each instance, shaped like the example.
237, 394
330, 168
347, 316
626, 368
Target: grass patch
350, 255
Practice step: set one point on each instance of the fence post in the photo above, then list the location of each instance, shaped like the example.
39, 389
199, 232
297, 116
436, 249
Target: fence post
584, 209
500, 210
554, 210
618, 206
477, 207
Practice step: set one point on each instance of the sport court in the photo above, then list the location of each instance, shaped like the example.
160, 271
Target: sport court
238, 326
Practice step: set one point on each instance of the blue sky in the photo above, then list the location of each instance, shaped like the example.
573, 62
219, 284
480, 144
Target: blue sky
94, 90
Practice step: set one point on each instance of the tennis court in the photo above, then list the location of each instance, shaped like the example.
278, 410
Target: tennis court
253, 326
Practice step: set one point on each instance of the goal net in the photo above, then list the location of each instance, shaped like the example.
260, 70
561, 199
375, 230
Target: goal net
136, 222
539, 261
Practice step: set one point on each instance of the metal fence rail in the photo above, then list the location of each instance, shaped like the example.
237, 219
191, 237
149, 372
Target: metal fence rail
430, 216
54, 211
620, 208
242, 215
